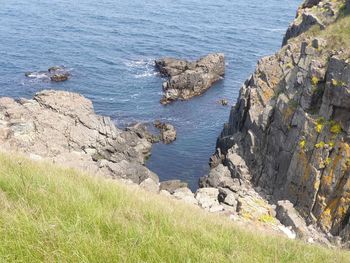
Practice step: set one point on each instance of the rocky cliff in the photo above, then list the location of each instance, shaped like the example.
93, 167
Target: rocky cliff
63, 127
289, 133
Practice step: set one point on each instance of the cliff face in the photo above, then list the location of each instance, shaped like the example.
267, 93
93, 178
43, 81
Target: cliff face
291, 123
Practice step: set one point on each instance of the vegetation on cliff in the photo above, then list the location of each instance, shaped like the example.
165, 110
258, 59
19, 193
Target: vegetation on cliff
58, 215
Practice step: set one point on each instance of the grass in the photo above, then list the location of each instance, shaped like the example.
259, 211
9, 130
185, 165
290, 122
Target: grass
51, 214
338, 32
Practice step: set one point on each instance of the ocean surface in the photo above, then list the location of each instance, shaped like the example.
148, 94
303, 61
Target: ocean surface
110, 46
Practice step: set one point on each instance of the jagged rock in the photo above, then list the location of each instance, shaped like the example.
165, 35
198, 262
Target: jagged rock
189, 79
56, 74
142, 130
310, 3
288, 216
228, 197
313, 13
223, 102
172, 185
167, 131
208, 199
185, 195
63, 127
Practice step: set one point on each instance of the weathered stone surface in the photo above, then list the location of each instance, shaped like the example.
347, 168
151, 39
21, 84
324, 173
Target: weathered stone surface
167, 131
150, 185
289, 133
56, 74
288, 216
172, 185
189, 79
208, 199
313, 13
63, 127
185, 195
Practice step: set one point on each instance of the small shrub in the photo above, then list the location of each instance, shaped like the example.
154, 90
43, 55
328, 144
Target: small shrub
314, 81
336, 128
320, 145
302, 144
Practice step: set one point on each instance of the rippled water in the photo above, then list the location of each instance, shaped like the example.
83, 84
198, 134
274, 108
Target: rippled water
110, 47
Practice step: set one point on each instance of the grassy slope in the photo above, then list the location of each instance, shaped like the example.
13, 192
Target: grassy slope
337, 34
53, 214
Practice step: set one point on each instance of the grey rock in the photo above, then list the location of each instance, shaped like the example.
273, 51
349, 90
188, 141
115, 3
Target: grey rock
56, 74
167, 131
63, 127
208, 198
185, 195
189, 79
172, 185
150, 185
288, 216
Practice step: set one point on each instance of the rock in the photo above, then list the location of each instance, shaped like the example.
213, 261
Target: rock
167, 131
228, 197
223, 102
313, 13
143, 131
189, 79
62, 127
208, 199
288, 216
310, 3
288, 232
172, 185
56, 74
150, 185
185, 195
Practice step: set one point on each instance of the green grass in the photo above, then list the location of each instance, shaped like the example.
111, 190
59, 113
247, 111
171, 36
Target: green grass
51, 214
337, 33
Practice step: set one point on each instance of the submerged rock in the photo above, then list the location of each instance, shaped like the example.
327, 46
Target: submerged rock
167, 131
189, 79
56, 74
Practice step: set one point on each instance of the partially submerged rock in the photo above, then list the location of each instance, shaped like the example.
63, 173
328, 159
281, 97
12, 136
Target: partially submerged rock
189, 79
56, 74
167, 132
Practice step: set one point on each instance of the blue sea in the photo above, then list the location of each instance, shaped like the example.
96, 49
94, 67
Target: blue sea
110, 46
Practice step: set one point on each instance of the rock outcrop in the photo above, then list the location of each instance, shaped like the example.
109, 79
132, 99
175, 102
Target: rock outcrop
289, 133
314, 13
189, 79
167, 132
63, 127
55, 74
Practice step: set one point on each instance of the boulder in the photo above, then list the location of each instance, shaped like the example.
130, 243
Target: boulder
55, 74
185, 195
172, 185
150, 185
208, 199
167, 131
143, 131
189, 79
288, 216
